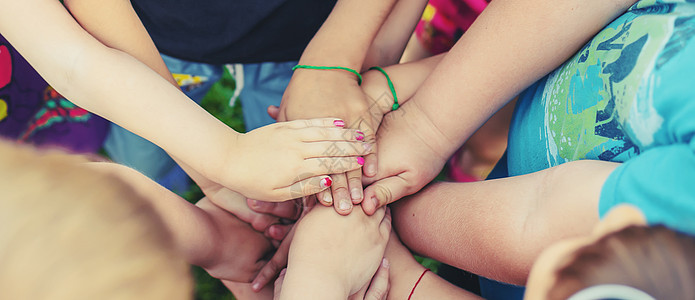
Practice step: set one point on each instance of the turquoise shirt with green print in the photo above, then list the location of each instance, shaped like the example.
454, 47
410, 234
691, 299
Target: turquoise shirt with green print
627, 96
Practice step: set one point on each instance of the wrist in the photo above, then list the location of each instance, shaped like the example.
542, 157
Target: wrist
303, 282
404, 280
375, 86
226, 172
322, 72
320, 59
427, 131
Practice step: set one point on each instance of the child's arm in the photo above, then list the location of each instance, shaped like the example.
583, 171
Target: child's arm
347, 261
393, 36
342, 40
496, 228
112, 84
404, 274
406, 78
208, 236
511, 44
115, 24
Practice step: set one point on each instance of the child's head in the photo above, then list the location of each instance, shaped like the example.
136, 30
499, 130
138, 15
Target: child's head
622, 256
71, 233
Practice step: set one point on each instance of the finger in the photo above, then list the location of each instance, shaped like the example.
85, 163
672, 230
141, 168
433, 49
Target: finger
259, 221
317, 134
318, 122
286, 210
370, 164
385, 226
360, 294
274, 265
305, 187
278, 284
273, 112
278, 231
379, 287
355, 186
379, 215
325, 197
384, 192
342, 202
332, 165
335, 149
242, 290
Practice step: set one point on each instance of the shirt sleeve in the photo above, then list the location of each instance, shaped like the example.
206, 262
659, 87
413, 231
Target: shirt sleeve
661, 182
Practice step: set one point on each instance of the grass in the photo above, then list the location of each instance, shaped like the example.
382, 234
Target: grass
216, 102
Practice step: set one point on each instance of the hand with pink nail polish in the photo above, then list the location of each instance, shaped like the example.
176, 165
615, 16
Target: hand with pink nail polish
312, 94
293, 159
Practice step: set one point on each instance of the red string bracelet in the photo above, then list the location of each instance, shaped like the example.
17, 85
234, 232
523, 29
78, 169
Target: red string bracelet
416, 283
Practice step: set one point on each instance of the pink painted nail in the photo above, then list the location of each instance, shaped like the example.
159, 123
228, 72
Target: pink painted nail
360, 161
339, 123
360, 135
326, 182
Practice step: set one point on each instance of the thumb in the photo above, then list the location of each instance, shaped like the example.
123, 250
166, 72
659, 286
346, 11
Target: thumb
273, 112
383, 192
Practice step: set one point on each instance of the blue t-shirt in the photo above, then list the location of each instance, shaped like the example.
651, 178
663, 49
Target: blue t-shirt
628, 96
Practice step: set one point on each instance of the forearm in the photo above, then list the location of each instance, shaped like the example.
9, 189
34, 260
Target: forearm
115, 24
390, 41
346, 35
497, 228
406, 79
189, 226
112, 84
512, 44
404, 274
303, 282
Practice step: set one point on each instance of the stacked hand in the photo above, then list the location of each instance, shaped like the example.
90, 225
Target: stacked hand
346, 262
335, 93
288, 160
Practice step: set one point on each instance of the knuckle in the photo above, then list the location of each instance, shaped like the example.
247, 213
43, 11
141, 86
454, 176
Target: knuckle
383, 194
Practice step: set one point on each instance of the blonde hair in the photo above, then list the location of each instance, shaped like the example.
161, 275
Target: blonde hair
68, 232
655, 260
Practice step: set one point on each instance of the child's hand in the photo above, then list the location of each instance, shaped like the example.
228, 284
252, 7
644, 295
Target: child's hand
377, 289
345, 262
313, 93
236, 251
404, 170
289, 160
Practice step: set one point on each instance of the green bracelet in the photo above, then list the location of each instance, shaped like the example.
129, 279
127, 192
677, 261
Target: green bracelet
359, 76
393, 90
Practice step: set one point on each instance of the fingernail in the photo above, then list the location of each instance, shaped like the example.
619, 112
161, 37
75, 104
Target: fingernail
375, 202
256, 286
384, 263
328, 198
339, 123
371, 169
355, 194
359, 135
254, 203
344, 204
326, 182
367, 146
360, 161
285, 271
